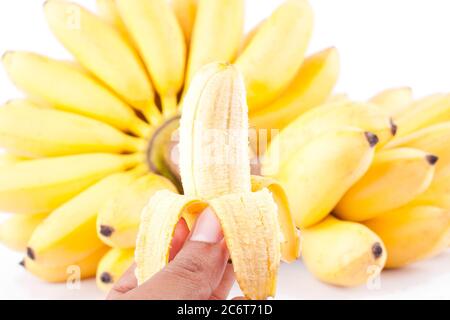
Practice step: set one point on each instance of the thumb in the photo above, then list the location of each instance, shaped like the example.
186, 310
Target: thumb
197, 269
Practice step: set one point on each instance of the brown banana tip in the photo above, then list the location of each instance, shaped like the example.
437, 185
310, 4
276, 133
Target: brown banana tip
432, 159
394, 127
106, 231
22, 263
30, 253
105, 277
371, 138
377, 250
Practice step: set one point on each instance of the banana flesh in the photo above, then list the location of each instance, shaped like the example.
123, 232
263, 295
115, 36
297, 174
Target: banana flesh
277, 48
112, 266
395, 178
215, 105
102, 50
343, 253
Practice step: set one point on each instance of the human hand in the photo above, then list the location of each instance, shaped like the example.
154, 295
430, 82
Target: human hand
198, 267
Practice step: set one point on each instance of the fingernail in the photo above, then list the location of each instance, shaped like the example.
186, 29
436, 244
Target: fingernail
207, 228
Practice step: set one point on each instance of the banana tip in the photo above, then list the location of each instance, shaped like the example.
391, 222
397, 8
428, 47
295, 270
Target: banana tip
394, 127
105, 277
30, 253
432, 159
377, 250
106, 231
372, 139
22, 263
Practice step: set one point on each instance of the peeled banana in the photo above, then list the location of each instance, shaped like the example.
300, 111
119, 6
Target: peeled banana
277, 48
30, 131
412, 233
159, 38
215, 172
102, 50
395, 178
343, 253
311, 87
42, 185
16, 231
118, 220
112, 266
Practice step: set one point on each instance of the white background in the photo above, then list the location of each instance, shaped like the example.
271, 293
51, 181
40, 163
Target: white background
383, 43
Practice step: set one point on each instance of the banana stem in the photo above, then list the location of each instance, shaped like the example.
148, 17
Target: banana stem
169, 105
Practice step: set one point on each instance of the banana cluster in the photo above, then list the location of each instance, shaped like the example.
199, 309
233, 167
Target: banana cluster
93, 144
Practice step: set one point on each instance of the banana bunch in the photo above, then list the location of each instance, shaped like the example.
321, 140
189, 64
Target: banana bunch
94, 139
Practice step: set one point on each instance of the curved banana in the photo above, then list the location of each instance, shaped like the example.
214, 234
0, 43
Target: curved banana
15, 232
311, 87
83, 269
412, 233
394, 101
118, 220
107, 10
42, 185
186, 11
277, 48
112, 266
95, 101
320, 173
30, 131
217, 34
395, 178
101, 49
321, 119
159, 38
215, 172
342, 253
424, 112
69, 233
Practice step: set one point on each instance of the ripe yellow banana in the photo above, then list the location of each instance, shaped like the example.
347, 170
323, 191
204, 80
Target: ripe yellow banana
277, 48
395, 178
186, 11
36, 75
412, 233
318, 174
30, 131
311, 87
159, 38
42, 185
17, 229
325, 118
423, 113
394, 101
69, 233
107, 10
217, 34
438, 194
112, 266
70, 273
215, 172
342, 253
118, 220
101, 49
7, 159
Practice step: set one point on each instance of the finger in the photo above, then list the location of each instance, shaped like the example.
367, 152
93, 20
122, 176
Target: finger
224, 288
180, 236
197, 270
126, 283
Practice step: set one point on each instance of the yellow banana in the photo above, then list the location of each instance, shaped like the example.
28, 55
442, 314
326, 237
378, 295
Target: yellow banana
438, 194
325, 118
7, 159
423, 113
159, 38
118, 220
412, 233
394, 101
311, 87
112, 266
36, 75
215, 172
30, 131
342, 253
217, 34
69, 233
277, 48
101, 49
395, 178
318, 174
42, 185
70, 273
186, 11
107, 10
17, 229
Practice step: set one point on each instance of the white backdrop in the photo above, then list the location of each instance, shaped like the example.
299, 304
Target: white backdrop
382, 43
